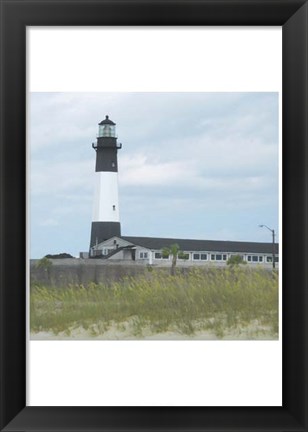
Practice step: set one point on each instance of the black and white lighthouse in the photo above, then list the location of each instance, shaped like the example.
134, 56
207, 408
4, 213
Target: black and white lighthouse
106, 217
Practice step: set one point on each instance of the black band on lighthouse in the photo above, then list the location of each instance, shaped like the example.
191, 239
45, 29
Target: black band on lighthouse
106, 160
101, 231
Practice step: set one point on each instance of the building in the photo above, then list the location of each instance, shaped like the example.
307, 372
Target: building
148, 250
107, 242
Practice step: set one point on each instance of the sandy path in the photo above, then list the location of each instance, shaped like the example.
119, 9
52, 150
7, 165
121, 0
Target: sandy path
126, 331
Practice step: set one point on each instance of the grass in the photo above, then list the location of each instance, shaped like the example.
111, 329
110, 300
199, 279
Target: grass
217, 300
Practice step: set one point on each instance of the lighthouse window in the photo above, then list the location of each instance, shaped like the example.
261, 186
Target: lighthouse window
113, 207
107, 131
113, 164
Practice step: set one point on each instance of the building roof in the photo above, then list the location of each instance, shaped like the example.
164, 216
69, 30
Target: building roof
203, 245
107, 121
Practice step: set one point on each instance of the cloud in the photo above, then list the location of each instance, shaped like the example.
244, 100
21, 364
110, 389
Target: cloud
139, 170
190, 177
50, 222
55, 178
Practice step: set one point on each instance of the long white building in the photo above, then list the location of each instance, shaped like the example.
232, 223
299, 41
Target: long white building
149, 250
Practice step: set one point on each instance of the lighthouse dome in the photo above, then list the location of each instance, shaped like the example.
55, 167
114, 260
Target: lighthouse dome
107, 121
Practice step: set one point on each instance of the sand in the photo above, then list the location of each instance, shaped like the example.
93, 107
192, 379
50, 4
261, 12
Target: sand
128, 331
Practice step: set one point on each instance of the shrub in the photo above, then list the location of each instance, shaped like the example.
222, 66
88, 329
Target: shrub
44, 263
59, 256
236, 260
214, 299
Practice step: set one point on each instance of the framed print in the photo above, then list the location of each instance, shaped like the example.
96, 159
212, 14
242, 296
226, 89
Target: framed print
177, 167
162, 61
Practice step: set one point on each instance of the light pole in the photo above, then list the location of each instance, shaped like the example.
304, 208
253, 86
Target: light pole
273, 245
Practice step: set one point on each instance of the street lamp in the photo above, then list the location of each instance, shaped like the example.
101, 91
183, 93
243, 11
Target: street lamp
273, 245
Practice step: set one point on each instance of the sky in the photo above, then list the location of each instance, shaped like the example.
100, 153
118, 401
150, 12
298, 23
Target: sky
192, 165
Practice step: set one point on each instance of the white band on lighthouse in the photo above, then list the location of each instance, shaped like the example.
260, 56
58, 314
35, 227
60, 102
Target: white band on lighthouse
106, 201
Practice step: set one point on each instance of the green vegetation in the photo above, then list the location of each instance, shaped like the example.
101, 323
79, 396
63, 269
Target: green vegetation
45, 264
175, 252
59, 255
236, 260
213, 300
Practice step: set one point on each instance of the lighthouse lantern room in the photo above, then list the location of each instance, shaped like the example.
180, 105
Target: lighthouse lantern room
106, 128
106, 218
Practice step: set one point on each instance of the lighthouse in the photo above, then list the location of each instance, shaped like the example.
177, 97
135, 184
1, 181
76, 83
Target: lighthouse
106, 217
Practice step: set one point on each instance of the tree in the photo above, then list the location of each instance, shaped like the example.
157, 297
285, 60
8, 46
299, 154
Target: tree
175, 252
59, 256
235, 260
45, 264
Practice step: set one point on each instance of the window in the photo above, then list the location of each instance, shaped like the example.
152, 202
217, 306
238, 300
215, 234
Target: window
276, 259
143, 255
200, 256
159, 255
254, 258
113, 207
113, 164
269, 259
218, 257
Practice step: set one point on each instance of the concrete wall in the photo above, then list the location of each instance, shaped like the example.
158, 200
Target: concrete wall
83, 271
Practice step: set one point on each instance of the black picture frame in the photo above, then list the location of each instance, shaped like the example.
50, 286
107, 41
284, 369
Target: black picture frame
292, 15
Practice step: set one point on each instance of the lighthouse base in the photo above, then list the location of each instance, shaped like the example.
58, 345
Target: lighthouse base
101, 231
